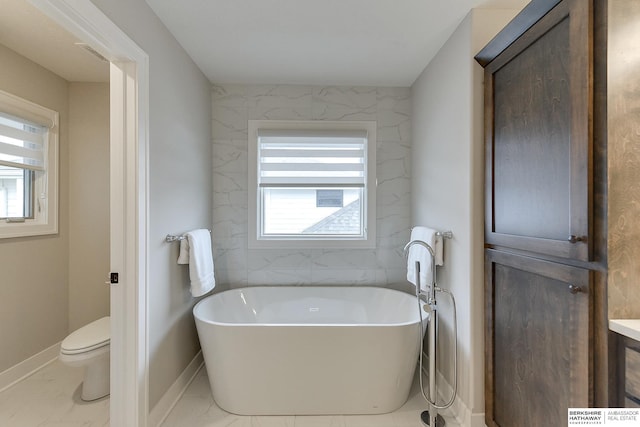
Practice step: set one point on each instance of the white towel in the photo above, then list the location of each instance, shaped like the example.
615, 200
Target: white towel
423, 257
195, 250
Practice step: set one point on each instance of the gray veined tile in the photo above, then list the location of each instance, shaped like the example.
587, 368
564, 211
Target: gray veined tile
335, 259
393, 126
391, 258
383, 420
233, 279
393, 150
343, 277
188, 410
339, 113
270, 112
390, 107
50, 397
394, 99
229, 122
272, 421
229, 95
288, 277
229, 155
347, 98
205, 413
229, 181
279, 259
280, 95
229, 222
320, 421
279, 103
199, 387
230, 260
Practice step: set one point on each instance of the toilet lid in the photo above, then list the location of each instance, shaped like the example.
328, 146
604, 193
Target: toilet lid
94, 335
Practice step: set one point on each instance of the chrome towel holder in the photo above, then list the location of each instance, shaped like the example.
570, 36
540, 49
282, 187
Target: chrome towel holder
445, 234
173, 238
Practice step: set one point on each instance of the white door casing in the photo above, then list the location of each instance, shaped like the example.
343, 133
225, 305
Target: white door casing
129, 106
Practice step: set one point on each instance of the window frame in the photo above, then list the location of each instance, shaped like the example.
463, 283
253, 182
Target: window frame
256, 239
44, 220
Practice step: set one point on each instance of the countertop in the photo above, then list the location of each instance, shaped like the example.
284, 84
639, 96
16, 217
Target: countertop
627, 327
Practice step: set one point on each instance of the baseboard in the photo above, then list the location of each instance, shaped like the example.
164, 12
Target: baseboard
477, 420
27, 367
458, 410
175, 392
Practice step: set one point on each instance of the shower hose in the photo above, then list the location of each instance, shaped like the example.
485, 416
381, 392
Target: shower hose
455, 349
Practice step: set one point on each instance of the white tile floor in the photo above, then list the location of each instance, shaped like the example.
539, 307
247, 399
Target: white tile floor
196, 408
51, 398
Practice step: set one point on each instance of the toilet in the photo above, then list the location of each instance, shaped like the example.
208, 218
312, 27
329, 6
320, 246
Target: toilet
89, 347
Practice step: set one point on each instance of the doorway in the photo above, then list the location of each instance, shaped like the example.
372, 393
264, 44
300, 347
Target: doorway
129, 106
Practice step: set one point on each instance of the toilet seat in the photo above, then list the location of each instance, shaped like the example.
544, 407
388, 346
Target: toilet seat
90, 337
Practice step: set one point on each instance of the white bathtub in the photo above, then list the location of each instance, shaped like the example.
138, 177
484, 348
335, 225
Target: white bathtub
304, 350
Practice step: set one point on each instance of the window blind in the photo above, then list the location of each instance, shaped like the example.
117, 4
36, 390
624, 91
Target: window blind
22, 143
312, 158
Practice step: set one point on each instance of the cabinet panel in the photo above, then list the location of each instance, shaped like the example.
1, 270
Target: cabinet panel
628, 375
537, 95
537, 340
632, 373
532, 140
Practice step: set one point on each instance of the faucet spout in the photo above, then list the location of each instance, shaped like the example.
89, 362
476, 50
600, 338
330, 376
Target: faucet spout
431, 295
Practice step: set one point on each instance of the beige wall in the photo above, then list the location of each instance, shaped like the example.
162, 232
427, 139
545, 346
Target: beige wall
88, 202
447, 190
623, 139
180, 184
180, 193
52, 285
34, 270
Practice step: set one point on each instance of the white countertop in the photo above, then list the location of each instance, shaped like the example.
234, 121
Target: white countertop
627, 327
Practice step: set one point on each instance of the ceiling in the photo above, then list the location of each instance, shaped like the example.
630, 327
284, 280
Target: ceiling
319, 42
24, 29
313, 42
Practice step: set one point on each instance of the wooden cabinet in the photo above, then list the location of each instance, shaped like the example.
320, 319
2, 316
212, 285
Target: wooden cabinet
538, 340
547, 211
628, 372
538, 133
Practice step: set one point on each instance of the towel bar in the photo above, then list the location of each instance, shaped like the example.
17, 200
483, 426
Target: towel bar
173, 238
444, 234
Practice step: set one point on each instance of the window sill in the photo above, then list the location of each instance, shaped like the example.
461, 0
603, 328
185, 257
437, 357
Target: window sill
26, 229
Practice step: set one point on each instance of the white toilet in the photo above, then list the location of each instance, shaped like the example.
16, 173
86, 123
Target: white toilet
89, 347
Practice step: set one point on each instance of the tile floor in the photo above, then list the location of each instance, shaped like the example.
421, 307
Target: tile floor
51, 398
196, 408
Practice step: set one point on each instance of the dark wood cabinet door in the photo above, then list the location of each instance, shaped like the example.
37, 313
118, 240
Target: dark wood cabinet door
628, 372
537, 340
538, 103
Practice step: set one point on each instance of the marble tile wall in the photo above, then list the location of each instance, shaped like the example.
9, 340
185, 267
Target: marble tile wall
238, 266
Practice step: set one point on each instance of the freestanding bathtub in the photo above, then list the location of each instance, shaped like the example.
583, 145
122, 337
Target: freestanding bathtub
309, 350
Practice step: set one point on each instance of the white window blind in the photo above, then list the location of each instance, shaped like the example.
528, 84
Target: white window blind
305, 158
290, 163
28, 168
22, 144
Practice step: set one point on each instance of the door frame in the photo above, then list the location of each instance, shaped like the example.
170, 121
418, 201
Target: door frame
129, 113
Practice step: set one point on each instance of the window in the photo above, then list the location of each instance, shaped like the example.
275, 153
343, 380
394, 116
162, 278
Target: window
28, 168
312, 184
329, 198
